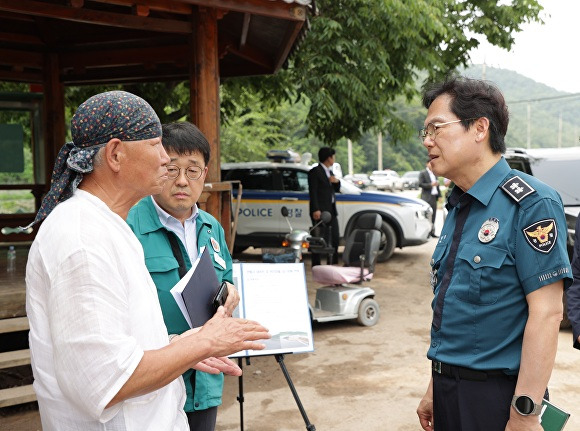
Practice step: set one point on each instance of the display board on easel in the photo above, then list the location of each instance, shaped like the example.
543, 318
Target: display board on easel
275, 295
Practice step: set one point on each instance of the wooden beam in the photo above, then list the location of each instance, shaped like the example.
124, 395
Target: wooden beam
273, 9
53, 113
122, 57
25, 58
25, 38
87, 16
249, 53
158, 5
245, 29
284, 51
30, 77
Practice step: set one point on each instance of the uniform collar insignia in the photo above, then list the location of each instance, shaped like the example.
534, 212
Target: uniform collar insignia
517, 189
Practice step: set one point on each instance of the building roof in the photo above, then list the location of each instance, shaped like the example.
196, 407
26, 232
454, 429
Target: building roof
116, 41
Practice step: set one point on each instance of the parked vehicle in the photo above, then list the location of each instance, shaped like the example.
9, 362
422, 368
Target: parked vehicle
557, 167
342, 297
267, 186
387, 180
360, 180
411, 180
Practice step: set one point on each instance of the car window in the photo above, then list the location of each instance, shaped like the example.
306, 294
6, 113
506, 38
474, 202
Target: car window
294, 180
253, 179
562, 175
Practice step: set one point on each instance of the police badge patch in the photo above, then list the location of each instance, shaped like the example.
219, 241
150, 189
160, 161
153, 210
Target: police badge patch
542, 235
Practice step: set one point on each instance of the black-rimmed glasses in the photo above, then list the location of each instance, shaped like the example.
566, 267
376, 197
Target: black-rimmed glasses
191, 172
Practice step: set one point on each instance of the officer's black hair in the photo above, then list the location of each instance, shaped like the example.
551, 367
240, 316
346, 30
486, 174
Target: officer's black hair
184, 138
474, 98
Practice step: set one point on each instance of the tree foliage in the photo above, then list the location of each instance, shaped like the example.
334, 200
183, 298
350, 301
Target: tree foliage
359, 56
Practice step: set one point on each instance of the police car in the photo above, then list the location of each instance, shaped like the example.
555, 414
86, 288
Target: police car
268, 186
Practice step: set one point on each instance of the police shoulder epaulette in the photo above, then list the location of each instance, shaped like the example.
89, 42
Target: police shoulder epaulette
517, 188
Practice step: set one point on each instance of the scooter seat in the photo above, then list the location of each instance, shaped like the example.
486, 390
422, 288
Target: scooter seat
331, 274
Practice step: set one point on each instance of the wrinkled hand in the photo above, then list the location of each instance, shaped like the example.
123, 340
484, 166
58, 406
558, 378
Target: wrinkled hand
233, 299
425, 413
228, 335
219, 365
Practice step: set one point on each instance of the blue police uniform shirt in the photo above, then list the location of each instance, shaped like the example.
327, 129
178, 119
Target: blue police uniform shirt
485, 309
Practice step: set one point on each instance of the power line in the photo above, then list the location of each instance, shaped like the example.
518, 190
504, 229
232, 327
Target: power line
542, 99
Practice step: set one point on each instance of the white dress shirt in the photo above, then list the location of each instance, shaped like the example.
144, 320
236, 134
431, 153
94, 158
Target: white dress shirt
187, 232
93, 311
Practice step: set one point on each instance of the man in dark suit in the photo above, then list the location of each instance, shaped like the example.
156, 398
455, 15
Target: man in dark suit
573, 292
322, 185
430, 192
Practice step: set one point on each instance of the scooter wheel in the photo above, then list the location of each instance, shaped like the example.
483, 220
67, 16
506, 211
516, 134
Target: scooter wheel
368, 312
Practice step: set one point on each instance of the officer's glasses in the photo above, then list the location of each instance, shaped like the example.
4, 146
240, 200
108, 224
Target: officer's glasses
431, 128
191, 172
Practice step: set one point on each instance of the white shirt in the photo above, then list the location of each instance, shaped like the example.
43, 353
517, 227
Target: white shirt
433, 178
187, 233
93, 311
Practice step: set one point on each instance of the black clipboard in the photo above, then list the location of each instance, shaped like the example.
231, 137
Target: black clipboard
200, 290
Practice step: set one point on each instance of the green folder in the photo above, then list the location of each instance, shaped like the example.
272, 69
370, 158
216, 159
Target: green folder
553, 418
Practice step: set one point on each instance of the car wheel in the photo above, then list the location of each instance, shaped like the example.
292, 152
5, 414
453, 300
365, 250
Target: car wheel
388, 242
368, 312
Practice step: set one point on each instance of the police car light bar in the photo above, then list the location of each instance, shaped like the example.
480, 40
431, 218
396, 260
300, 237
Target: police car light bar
283, 156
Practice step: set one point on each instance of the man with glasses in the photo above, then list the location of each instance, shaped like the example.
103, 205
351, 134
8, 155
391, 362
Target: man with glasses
498, 270
173, 232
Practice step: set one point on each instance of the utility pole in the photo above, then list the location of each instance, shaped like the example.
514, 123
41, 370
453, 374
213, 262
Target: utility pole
349, 151
380, 151
529, 126
560, 131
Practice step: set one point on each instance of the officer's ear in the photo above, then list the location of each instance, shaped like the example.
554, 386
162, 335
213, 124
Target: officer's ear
481, 128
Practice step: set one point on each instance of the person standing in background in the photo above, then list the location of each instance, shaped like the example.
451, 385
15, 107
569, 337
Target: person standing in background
573, 292
174, 232
322, 186
430, 192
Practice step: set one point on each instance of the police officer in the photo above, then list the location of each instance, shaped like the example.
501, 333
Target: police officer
498, 270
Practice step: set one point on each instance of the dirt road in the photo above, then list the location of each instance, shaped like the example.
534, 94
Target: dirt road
362, 378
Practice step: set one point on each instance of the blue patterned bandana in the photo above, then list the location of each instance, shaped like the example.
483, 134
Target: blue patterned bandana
114, 114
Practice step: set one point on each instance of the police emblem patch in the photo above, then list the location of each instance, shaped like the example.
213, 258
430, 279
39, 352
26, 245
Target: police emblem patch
517, 189
542, 235
488, 230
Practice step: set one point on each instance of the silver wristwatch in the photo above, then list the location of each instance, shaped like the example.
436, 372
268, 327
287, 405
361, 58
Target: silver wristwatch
525, 405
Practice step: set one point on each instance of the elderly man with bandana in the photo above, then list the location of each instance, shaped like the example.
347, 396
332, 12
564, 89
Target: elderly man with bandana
100, 352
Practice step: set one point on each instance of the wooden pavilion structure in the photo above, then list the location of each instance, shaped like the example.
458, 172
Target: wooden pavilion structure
56, 43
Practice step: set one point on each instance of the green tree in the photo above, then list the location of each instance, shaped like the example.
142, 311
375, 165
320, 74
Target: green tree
359, 56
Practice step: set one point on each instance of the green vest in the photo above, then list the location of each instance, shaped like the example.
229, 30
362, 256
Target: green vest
163, 267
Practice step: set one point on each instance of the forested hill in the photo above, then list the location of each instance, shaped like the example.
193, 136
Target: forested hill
554, 116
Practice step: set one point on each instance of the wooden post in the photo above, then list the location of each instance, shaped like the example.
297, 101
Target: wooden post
205, 114
53, 113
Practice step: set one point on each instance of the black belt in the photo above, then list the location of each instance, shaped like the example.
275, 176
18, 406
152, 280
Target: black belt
466, 373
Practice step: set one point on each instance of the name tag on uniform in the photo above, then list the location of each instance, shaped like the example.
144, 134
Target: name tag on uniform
219, 260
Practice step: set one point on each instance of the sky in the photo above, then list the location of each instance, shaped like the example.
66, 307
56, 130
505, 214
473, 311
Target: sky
547, 53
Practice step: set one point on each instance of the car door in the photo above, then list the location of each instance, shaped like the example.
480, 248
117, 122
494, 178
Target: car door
259, 210
294, 196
